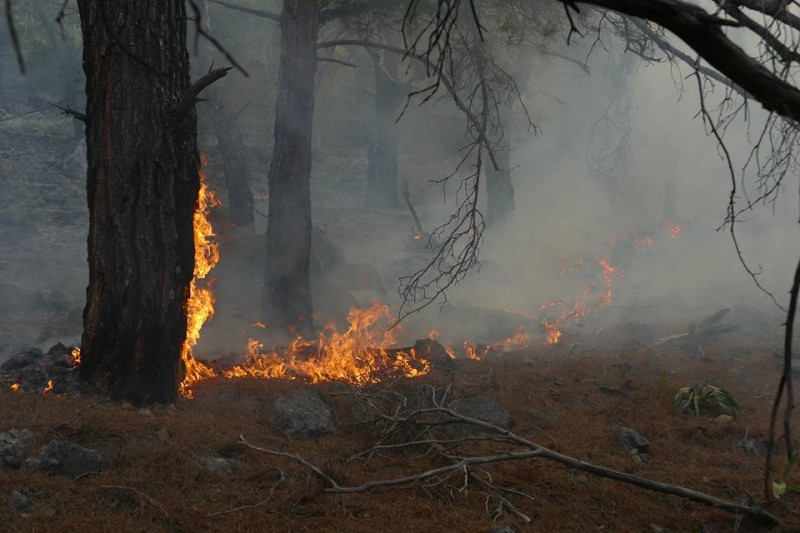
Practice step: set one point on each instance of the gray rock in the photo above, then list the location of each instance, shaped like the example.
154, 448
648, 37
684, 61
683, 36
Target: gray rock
68, 458
485, 410
303, 414
219, 465
752, 447
631, 439
13, 444
18, 501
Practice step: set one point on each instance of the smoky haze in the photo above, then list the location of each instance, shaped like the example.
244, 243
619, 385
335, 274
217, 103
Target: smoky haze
571, 205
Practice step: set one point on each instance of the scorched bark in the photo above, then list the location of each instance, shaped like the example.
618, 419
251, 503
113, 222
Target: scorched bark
142, 186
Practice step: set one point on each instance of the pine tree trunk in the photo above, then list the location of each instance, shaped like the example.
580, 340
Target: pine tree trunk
382, 184
142, 187
286, 298
229, 141
234, 161
499, 190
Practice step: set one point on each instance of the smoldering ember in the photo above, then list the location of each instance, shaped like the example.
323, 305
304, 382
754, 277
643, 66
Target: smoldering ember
410, 265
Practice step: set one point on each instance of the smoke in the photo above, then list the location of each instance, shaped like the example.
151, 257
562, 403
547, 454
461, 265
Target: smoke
621, 149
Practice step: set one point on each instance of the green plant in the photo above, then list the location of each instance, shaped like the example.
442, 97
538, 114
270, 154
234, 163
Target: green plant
780, 487
662, 382
699, 397
710, 327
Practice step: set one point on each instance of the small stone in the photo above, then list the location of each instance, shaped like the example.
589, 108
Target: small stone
752, 447
69, 458
219, 465
13, 444
631, 439
145, 412
724, 419
503, 529
19, 501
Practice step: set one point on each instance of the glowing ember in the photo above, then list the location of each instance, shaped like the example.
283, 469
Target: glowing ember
673, 229
14, 387
49, 387
609, 273
200, 304
518, 341
359, 355
76, 357
641, 241
552, 332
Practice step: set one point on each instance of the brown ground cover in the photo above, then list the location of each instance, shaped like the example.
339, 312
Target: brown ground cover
155, 481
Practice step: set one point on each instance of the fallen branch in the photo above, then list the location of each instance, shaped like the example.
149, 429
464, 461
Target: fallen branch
533, 450
140, 493
253, 505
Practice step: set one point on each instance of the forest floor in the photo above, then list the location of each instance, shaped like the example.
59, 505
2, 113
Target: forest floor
156, 479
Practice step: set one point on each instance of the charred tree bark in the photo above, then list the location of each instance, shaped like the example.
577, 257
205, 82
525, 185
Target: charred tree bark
142, 187
286, 297
382, 182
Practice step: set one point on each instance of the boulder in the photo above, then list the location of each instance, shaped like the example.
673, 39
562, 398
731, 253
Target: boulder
67, 458
485, 410
303, 413
631, 439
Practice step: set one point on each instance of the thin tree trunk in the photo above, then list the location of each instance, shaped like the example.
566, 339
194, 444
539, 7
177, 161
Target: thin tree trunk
286, 298
499, 190
142, 187
230, 145
382, 176
234, 161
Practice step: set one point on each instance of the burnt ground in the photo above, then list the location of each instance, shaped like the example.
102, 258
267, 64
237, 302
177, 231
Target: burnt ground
557, 397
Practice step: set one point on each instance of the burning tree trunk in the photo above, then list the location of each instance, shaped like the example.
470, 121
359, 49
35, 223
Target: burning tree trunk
286, 298
382, 184
142, 187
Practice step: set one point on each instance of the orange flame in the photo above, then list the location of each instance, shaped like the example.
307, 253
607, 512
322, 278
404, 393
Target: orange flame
200, 304
673, 229
361, 354
518, 341
49, 386
14, 387
641, 241
76, 357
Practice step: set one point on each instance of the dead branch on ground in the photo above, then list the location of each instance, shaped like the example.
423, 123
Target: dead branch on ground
425, 422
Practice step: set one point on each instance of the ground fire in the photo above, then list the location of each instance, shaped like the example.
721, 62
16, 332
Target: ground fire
365, 351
